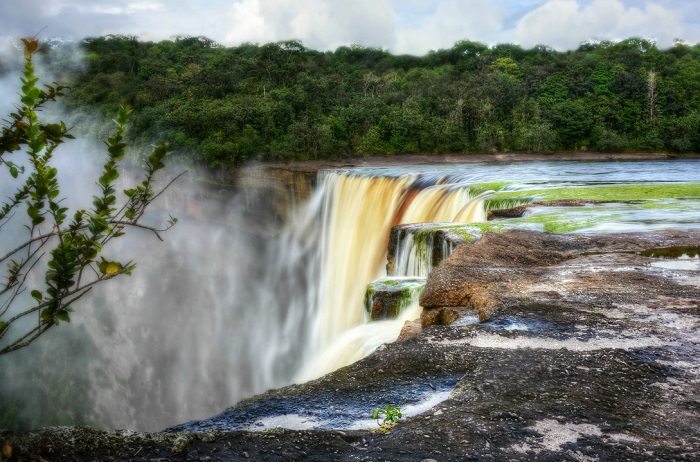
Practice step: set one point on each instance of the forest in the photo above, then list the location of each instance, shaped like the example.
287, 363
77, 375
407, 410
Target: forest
223, 106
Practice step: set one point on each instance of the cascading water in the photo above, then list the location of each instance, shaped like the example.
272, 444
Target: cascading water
358, 215
417, 249
416, 252
359, 212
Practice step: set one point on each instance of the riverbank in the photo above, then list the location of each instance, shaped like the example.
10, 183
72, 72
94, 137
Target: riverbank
418, 159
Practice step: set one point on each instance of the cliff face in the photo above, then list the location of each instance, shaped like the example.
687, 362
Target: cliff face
275, 188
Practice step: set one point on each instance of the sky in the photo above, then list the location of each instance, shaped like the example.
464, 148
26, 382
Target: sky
401, 26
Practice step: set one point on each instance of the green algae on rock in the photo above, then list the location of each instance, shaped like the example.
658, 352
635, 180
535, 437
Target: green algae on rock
480, 188
556, 223
386, 298
466, 232
609, 193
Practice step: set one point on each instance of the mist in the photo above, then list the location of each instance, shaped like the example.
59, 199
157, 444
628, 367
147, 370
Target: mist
216, 312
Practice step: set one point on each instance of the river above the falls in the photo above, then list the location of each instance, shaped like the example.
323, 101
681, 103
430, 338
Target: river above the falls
545, 172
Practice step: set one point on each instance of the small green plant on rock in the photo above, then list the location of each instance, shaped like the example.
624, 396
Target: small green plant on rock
387, 416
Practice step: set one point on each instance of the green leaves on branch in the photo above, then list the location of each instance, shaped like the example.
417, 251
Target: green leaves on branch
70, 250
15, 170
53, 317
140, 196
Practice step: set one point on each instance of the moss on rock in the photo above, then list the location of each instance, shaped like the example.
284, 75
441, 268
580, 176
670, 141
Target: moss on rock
611, 193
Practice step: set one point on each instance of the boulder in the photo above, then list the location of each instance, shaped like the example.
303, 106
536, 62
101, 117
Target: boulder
386, 298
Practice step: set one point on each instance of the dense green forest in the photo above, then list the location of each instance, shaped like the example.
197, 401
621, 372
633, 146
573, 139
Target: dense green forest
282, 101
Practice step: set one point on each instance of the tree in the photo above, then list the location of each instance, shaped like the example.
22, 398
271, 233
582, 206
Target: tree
68, 252
652, 95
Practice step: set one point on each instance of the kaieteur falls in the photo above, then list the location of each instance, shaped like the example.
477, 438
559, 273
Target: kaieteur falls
356, 210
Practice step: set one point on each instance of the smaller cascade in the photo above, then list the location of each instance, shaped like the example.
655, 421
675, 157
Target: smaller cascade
387, 298
414, 250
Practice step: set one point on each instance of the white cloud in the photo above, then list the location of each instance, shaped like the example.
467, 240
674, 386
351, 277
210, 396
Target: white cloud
248, 24
564, 24
321, 24
451, 21
145, 6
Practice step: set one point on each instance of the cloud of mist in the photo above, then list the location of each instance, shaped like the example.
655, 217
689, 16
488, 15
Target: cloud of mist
217, 312
10, 62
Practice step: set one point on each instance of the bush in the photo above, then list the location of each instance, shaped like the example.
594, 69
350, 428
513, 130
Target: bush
650, 141
606, 140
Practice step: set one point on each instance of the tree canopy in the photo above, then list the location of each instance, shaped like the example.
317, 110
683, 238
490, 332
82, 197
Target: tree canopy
283, 101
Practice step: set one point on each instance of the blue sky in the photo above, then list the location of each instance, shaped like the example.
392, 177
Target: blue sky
404, 26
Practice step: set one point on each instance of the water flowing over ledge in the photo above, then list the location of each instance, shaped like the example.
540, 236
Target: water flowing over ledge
591, 335
358, 214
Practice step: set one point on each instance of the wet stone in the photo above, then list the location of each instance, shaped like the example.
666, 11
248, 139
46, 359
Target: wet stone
386, 298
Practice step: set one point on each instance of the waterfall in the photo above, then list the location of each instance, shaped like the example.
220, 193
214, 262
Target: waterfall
357, 218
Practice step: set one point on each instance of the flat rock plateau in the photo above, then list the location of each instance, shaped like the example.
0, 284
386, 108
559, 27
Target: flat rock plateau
546, 347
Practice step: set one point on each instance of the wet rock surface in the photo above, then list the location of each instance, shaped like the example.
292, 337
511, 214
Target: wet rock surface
590, 352
386, 298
